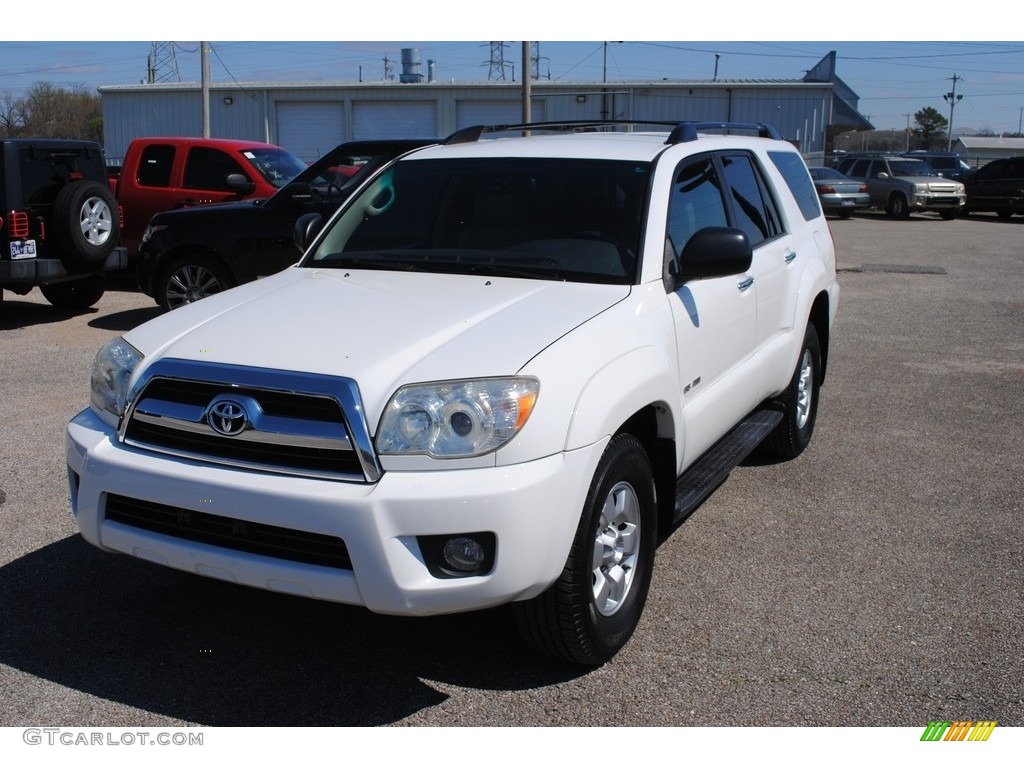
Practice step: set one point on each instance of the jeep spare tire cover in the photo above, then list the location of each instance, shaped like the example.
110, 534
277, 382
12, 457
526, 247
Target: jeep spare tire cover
85, 224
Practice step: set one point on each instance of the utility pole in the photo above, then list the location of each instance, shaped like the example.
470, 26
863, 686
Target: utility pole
908, 130
952, 98
204, 59
528, 74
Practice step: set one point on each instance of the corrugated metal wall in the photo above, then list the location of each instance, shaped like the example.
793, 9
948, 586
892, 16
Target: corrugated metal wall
799, 111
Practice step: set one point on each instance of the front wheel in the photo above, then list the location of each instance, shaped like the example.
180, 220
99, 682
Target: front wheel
898, 207
799, 402
590, 612
190, 279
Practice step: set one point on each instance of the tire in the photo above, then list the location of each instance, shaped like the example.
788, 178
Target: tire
898, 207
1004, 213
75, 294
591, 611
190, 279
799, 403
85, 223
948, 215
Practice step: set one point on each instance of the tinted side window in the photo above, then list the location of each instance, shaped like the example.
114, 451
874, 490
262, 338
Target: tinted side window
793, 170
860, 169
696, 202
155, 166
207, 168
753, 207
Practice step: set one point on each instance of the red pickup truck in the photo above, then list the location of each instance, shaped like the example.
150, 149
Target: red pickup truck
161, 174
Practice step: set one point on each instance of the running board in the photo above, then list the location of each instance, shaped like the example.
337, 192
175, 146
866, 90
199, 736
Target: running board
711, 469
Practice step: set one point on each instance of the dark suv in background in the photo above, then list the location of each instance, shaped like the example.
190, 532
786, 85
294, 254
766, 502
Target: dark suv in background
59, 221
998, 187
949, 165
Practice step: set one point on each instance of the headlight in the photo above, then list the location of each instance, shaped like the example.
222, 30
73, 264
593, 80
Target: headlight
111, 370
456, 419
921, 189
150, 230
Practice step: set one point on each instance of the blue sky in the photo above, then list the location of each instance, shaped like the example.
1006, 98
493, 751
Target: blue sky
893, 79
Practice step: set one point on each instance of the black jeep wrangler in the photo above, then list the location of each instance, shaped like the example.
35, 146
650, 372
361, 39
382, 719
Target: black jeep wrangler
59, 221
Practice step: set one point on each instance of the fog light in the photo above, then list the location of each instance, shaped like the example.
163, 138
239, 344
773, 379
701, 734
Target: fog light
463, 554
459, 555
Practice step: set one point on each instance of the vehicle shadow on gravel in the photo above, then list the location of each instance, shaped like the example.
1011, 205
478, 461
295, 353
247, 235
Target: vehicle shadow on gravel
23, 314
125, 321
217, 654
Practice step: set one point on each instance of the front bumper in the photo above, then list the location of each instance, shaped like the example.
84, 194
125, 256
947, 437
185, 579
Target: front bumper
937, 202
532, 509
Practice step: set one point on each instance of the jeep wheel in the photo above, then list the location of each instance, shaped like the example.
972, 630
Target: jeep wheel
898, 207
86, 224
75, 294
190, 279
799, 402
590, 612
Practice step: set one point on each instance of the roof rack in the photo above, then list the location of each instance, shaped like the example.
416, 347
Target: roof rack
681, 131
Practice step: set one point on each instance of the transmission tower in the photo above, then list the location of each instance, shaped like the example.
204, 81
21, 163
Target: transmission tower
497, 62
161, 65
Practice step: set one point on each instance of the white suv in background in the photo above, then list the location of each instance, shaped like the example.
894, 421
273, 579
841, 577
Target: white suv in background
502, 370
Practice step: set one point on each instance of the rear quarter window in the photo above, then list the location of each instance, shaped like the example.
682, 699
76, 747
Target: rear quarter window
793, 170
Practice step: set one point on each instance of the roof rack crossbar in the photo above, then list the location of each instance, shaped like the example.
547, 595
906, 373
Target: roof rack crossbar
687, 131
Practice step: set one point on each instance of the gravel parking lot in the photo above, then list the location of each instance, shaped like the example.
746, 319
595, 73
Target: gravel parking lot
874, 581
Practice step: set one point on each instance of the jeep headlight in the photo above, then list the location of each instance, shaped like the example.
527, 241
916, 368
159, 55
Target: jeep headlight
111, 371
921, 189
456, 419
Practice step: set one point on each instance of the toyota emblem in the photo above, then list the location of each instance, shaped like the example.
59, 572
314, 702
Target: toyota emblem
227, 417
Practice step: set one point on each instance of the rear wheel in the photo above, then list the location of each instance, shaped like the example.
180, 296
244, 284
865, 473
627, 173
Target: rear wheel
799, 402
75, 294
190, 279
590, 612
1004, 213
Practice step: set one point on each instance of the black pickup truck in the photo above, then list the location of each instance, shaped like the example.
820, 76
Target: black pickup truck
59, 221
189, 253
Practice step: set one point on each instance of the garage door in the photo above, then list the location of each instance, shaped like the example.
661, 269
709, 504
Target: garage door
469, 113
394, 120
310, 129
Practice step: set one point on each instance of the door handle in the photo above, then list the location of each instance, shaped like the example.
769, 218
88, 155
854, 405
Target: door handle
745, 283
790, 256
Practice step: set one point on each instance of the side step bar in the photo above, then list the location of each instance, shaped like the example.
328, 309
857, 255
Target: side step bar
711, 469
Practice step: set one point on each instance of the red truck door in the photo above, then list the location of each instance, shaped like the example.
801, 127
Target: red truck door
169, 176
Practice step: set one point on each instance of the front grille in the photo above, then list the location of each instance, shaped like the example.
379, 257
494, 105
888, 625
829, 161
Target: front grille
294, 423
230, 533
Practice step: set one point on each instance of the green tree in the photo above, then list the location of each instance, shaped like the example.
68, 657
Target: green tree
930, 133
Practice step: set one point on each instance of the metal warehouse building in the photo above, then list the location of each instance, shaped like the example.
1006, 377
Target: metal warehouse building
310, 118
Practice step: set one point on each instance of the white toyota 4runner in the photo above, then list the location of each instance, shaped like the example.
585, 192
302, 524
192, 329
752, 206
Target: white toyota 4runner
501, 372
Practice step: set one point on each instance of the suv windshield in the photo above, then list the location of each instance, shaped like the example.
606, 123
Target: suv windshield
275, 165
553, 219
910, 168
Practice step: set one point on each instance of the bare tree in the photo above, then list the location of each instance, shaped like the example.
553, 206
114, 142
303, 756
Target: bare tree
54, 112
12, 115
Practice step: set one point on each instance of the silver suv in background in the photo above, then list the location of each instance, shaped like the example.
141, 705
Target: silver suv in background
903, 185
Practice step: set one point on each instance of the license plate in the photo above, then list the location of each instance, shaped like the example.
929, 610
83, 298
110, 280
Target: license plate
23, 249
847, 202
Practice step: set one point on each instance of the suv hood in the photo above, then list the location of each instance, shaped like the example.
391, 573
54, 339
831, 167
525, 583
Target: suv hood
382, 329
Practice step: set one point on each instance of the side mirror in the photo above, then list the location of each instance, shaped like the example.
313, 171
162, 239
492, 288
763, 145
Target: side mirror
711, 252
240, 183
307, 227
